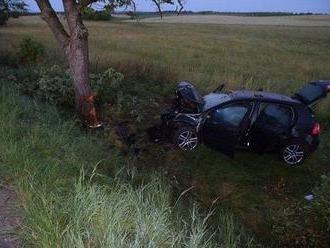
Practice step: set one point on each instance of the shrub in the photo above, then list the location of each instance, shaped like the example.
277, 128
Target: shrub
3, 17
102, 16
30, 51
15, 14
106, 85
8, 58
54, 85
91, 14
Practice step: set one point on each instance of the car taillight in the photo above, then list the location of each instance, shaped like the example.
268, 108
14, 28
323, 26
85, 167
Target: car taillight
316, 129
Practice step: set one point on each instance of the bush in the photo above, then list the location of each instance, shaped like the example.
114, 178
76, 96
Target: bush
106, 85
3, 17
30, 51
15, 14
8, 58
93, 15
54, 85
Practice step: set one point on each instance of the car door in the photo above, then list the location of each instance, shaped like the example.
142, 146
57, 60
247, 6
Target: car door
226, 125
272, 125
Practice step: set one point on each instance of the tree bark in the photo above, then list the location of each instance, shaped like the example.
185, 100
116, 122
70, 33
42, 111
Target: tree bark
75, 48
180, 3
159, 8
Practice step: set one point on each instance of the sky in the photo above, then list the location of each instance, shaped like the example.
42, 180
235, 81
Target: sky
315, 6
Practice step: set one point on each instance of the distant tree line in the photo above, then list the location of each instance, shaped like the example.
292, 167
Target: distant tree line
146, 14
106, 14
11, 8
96, 15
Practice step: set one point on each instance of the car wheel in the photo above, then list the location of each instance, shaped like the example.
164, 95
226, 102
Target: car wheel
186, 138
294, 153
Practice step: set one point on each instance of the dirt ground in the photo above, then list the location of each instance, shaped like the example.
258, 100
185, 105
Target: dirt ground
10, 220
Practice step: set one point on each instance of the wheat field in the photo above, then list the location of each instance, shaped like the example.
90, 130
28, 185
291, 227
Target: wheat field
309, 21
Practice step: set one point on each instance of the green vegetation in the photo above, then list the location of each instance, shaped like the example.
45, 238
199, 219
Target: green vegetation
30, 51
264, 194
11, 8
94, 15
142, 14
77, 192
3, 17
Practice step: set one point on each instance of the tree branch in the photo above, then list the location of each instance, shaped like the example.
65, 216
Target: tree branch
71, 13
49, 15
157, 3
180, 3
84, 3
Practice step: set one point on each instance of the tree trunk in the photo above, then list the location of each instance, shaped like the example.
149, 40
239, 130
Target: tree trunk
79, 66
75, 47
78, 59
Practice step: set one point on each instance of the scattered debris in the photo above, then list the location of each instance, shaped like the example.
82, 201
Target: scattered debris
309, 197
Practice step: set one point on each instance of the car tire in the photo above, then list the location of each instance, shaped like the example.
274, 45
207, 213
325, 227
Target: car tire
186, 138
294, 153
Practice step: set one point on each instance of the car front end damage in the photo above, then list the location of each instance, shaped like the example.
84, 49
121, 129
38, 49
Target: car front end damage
170, 121
186, 109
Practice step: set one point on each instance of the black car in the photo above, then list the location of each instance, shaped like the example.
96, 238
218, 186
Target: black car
251, 120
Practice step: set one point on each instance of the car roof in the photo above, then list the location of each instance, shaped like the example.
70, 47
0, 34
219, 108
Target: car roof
262, 95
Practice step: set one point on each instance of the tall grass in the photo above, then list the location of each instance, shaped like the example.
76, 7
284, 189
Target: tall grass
69, 201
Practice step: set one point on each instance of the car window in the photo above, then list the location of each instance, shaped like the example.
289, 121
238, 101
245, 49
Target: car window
275, 115
231, 114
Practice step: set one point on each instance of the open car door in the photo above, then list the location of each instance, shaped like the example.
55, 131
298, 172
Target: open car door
226, 125
313, 92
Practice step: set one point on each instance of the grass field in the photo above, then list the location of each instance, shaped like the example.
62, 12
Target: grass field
279, 58
313, 20
271, 56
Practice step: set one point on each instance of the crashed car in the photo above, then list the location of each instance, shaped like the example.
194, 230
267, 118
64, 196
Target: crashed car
251, 120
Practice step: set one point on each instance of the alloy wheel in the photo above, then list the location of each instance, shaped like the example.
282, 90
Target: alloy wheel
293, 154
187, 140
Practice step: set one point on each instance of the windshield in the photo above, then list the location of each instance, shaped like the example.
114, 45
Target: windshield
213, 99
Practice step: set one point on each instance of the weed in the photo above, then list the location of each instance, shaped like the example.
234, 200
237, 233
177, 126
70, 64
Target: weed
30, 51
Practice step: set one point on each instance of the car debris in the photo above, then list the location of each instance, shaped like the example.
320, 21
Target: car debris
309, 197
